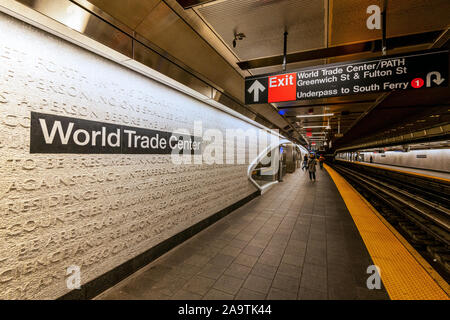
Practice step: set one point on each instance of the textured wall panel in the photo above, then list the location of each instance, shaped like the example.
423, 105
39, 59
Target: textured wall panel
94, 211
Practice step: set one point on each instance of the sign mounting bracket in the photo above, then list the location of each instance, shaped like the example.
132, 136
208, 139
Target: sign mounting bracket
285, 51
383, 31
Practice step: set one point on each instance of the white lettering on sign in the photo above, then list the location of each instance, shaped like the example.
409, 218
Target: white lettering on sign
65, 136
56, 126
392, 63
281, 82
393, 86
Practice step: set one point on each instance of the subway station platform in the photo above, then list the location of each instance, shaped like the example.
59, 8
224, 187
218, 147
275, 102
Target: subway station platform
297, 241
141, 142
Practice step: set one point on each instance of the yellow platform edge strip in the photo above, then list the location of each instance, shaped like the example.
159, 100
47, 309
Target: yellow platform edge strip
396, 170
405, 274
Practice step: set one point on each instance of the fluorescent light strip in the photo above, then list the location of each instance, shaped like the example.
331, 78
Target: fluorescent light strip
316, 115
313, 127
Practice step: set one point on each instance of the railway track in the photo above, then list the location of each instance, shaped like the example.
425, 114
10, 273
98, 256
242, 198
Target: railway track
420, 215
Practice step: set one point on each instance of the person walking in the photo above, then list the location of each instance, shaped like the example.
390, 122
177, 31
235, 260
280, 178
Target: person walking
305, 162
312, 167
321, 161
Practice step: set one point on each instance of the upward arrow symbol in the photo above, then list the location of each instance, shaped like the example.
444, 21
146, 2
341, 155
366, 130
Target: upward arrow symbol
256, 87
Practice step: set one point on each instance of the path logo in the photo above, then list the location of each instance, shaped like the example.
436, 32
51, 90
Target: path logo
283, 87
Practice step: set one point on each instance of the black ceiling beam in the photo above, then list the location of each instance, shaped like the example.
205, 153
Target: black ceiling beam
334, 116
424, 106
331, 121
366, 46
187, 4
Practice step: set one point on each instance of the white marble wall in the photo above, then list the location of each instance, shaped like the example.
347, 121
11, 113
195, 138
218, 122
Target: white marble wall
94, 211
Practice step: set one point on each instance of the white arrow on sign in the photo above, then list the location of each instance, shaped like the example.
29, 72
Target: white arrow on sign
256, 87
438, 79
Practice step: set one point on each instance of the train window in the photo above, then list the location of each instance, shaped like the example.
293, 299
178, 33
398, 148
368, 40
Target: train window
421, 156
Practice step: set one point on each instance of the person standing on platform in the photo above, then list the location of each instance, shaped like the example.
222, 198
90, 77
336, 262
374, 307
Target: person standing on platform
371, 159
305, 162
312, 167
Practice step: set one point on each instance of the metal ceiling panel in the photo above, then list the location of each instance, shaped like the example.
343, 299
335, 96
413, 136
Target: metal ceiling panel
166, 30
264, 22
153, 60
199, 26
348, 19
80, 20
129, 12
365, 47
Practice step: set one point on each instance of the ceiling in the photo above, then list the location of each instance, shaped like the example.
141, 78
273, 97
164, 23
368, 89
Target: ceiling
200, 33
313, 25
408, 112
264, 22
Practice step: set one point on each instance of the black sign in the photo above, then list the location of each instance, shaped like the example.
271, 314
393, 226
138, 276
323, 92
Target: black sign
401, 72
56, 134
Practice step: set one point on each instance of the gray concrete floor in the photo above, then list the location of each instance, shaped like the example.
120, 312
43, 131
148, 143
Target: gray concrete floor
297, 241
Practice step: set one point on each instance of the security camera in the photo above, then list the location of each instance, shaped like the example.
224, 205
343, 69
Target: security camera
237, 36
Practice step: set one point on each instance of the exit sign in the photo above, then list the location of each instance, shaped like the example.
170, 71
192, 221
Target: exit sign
413, 71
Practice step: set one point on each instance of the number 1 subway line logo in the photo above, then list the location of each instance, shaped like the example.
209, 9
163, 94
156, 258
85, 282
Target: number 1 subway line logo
282, 87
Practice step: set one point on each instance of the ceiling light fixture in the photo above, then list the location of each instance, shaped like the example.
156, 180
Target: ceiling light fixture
313, 127
316, 115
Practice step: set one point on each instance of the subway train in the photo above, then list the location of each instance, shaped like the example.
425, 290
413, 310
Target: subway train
428, 159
